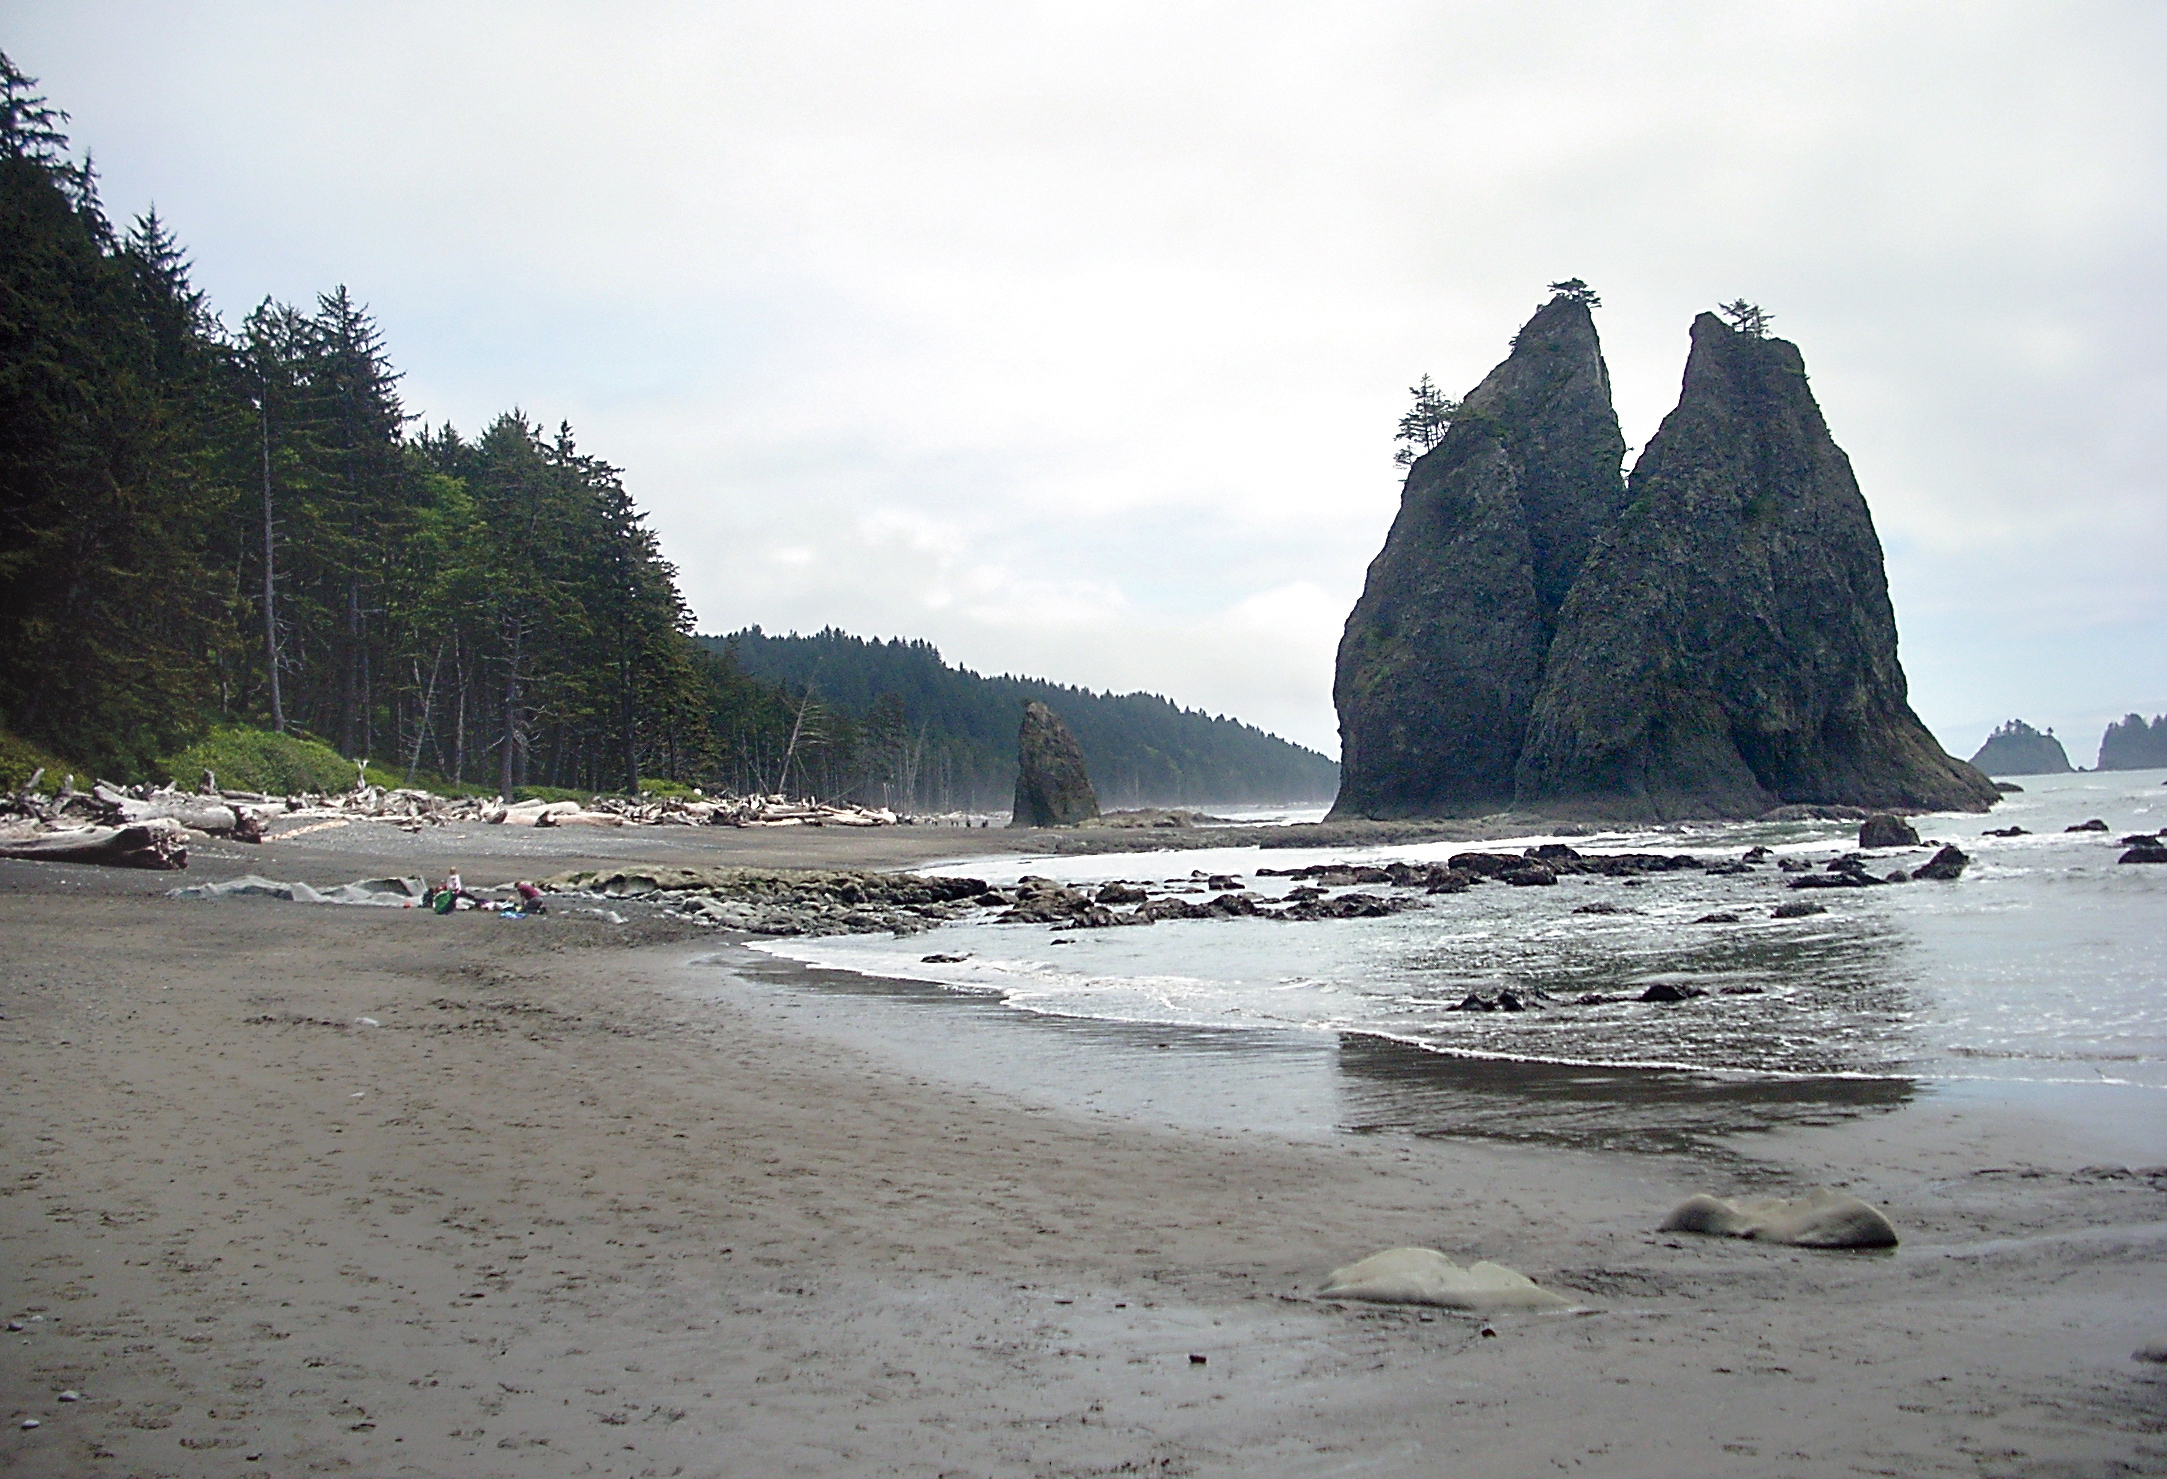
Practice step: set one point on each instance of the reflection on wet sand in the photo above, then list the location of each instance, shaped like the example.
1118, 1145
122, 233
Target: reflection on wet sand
1827, 995
1396, 1086
1295, 1082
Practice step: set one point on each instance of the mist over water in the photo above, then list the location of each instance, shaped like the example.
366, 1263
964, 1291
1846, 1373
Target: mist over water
2043, 963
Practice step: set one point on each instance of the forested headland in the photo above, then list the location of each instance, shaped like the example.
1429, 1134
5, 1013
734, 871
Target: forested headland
208, 525
944, 738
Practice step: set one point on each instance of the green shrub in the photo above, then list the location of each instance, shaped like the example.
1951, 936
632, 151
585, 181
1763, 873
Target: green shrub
552, 793
19, 759
260, 760
391, 776
677, 789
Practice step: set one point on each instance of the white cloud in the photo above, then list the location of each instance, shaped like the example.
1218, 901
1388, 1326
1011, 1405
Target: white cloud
1071, 337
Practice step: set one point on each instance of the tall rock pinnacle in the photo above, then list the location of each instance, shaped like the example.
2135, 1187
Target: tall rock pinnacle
1052, 787
1443, 655
1729, 645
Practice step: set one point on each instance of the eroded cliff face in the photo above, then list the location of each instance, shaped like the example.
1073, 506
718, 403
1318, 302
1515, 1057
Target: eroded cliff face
1443, 655
1729, 645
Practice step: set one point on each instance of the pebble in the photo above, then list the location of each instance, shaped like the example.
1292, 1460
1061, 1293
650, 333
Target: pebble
71, 1396
29, 1423
2156, 1351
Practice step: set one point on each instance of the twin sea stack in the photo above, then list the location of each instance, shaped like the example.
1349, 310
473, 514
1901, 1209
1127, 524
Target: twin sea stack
1712, 639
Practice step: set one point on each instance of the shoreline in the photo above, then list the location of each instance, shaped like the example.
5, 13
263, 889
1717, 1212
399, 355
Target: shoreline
545, 1210
1396, 1085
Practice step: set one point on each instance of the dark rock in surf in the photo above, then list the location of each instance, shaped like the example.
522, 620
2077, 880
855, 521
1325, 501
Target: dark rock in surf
1883, 830
2094, 825
1943, 866
2146, 850
1797, 909
2009, 788
1052, 787
1665, 992
1729, 646
1441, 657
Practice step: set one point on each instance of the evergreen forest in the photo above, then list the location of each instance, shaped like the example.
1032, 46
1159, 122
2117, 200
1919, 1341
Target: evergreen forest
208, 526
934, 737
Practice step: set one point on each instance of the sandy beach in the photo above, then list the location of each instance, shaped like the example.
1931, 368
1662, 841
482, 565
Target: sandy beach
302, 1189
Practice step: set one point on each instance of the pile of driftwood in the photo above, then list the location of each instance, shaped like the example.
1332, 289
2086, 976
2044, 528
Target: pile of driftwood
148, 827
106, 824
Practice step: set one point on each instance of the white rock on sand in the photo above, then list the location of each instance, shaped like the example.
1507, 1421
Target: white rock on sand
1426, 1276
1819, 1219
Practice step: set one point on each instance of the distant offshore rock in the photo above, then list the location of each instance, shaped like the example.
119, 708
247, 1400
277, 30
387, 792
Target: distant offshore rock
1052, 787
2018, 749
2132, 744
1715, 642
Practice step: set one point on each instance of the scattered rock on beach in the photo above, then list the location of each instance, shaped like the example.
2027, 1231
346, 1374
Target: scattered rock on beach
1883, 830
1717, 918
1426, 1276
2156, 1353
1797, 909
1819, 1219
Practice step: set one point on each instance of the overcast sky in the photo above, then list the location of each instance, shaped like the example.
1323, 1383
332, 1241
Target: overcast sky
1072, 337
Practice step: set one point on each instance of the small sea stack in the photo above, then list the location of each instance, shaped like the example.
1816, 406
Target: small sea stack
2132, 744
1052, 787
2018, 749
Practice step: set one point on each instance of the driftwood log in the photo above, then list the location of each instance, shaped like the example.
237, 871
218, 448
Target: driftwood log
209, 814
160, 843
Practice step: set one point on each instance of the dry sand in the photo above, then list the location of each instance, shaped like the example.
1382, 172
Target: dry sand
556, 1213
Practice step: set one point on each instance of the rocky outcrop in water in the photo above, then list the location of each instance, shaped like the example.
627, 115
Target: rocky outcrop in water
2132, 744
1730, 646
1052, 787
1722, 644
1442, 656
2018, 749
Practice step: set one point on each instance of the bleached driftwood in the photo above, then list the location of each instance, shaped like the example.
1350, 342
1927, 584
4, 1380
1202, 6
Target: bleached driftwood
160, 843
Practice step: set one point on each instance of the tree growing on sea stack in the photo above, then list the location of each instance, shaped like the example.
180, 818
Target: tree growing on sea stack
1052, 787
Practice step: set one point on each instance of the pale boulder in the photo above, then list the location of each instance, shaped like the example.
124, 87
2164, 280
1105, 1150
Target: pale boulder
1426, 1276
1819, 1219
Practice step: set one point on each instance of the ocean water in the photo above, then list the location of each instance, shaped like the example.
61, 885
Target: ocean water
2045, 964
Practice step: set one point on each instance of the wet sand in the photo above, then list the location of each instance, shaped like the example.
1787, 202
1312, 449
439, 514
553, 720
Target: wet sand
575, 1204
